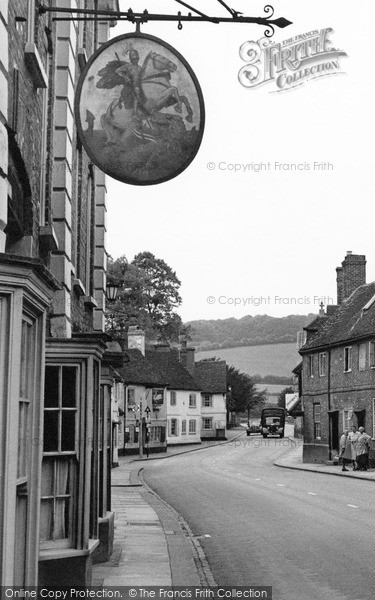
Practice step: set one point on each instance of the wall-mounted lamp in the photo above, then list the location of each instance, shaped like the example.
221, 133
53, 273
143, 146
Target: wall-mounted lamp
111, 291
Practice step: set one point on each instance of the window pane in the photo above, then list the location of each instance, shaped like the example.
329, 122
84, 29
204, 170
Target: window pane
69, 377
68, 430
23, 440
46, 513
51, 389
372, 354
51, 431
47, 478
62, 477
25, 361
362, 357
61, 524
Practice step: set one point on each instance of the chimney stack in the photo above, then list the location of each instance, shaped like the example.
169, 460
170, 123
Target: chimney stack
136, 339
350, 275
187, 357
339, 282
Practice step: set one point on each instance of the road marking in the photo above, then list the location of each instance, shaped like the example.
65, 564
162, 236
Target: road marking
281, 484
352, 506
257, 478
312, 493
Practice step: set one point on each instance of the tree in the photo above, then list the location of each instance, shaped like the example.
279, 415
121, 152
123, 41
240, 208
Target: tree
243, 391
281, 396
148, 296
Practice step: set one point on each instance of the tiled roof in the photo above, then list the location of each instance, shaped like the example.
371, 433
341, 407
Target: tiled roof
352, 321
211, 376
138, 370
178, 377
316, 323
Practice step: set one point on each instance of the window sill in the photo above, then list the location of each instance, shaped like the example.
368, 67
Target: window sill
61, 553
35, 66
90, 301
47, 238
79, 288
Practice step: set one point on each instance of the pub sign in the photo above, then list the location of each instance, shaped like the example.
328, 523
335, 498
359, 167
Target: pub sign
139, 110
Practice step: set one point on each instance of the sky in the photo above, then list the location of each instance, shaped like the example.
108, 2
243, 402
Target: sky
268, 242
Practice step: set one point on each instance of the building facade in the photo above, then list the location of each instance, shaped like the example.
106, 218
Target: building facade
54, 390
338, 365
212, 380
183, 394
172, 388
144, 421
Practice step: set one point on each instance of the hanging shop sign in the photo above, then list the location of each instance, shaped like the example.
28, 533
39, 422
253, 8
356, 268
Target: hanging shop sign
139, 110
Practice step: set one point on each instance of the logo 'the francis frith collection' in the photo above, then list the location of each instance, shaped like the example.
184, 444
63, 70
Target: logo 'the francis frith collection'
290, 63
139, 110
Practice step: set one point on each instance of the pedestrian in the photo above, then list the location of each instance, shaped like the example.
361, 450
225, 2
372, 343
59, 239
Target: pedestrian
354, 435
362, 450
345, 450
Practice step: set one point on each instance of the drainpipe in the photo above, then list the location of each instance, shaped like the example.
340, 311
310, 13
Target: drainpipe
329, 406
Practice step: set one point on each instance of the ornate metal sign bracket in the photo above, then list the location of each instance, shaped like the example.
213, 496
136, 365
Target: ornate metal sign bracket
194, 15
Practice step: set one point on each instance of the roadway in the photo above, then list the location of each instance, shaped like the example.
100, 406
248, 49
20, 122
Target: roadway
309, 536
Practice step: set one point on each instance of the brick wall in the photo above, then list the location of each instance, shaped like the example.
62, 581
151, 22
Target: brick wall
78, 193
350, 275
351, 391
4, 61
25, 117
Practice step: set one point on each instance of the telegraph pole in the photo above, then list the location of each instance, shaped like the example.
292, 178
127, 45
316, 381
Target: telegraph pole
140, 433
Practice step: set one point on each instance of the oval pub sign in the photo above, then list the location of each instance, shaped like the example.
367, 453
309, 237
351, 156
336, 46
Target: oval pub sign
139, 110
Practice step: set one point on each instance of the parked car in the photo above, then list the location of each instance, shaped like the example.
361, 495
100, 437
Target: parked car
253, 429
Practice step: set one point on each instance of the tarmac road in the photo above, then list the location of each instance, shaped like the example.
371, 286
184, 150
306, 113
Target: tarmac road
309, 536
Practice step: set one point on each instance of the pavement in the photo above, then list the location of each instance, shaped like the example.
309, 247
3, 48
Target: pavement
153, 545
292, 459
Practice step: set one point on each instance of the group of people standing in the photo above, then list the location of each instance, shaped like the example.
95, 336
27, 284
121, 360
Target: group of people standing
354, 449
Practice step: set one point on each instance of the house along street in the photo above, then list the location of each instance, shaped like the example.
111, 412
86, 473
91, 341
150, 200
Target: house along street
308, 535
